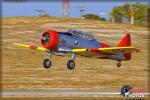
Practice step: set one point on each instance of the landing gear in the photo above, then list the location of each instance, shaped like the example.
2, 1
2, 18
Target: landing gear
47, 62
119, 63
71, 63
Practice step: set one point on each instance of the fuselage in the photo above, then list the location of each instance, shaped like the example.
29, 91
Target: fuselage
68, 41
62, 42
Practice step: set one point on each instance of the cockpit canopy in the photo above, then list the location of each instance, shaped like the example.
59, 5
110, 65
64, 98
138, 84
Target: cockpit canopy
81, 34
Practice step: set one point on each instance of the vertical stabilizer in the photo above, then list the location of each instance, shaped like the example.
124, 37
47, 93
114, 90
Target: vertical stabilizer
126, 41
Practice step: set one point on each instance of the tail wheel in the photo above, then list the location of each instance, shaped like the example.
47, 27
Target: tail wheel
70, 64
47, 63
119, 64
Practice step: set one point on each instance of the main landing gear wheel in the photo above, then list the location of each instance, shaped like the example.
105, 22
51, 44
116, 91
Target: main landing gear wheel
119, 64
70, 64
47, 63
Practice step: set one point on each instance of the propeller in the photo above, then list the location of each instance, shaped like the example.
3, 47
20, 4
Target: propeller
46, 38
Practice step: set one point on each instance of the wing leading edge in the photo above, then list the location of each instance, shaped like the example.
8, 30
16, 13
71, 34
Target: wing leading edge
31, 47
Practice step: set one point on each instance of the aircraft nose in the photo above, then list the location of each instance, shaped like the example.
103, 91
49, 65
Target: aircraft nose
50, 39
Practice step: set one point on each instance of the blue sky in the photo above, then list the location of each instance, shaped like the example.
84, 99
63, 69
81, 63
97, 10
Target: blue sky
54, 8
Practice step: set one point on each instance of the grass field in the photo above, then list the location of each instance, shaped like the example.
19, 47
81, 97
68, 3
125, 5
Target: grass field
22, 68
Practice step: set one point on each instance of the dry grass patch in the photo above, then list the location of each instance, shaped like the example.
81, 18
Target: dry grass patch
22, 68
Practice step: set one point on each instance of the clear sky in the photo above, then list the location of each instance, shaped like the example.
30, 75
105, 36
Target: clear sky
54, 8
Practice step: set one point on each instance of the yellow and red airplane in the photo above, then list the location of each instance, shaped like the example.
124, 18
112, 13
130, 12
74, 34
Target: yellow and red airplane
81, 43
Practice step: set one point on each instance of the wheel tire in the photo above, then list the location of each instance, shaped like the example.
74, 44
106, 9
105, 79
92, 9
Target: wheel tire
118, 64
70, 64
47, 63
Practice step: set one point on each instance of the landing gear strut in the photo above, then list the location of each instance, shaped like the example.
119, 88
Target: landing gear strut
71, 63
47, 62
119, 63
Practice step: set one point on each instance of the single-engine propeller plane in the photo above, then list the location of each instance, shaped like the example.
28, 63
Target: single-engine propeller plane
81, 43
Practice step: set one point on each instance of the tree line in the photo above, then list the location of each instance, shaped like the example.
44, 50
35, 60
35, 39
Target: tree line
122, 14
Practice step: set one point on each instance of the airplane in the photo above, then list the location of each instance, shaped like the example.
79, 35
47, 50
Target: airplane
76, 42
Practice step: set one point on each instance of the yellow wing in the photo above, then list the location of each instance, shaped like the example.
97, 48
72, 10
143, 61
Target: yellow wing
105, 51
31, 47
96, 52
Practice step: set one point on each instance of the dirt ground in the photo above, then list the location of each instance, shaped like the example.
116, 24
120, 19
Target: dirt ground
22, 68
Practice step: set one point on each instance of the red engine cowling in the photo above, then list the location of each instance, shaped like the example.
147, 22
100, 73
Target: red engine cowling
50, 39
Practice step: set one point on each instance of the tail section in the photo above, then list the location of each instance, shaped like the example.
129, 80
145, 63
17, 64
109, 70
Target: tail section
126, 41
